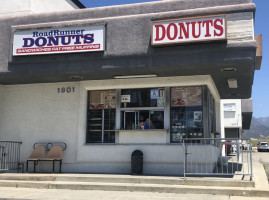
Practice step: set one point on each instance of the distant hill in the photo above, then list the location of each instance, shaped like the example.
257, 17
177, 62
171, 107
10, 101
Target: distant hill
259, 128
264, 121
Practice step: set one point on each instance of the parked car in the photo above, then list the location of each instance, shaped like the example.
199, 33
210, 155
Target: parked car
263, 146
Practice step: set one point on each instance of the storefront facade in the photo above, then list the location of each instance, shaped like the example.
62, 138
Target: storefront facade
111, 80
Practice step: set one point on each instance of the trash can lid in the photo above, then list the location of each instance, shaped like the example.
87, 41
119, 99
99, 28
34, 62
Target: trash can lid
137, 153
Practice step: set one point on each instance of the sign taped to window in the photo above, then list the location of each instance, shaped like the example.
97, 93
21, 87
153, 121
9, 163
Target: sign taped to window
154, 93
125, 98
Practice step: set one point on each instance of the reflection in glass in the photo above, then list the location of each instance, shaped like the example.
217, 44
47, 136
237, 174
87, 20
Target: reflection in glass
101, 116
145, 97
157, 119
186, 114
143, 119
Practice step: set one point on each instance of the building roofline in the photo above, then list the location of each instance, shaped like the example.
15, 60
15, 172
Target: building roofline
78, 4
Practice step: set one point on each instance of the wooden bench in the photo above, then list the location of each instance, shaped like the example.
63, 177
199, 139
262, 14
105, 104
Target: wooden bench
52, 152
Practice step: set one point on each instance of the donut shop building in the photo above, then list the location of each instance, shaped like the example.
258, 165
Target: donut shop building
107, 81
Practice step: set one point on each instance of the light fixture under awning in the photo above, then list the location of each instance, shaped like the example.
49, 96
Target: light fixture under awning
136, 76
232, 82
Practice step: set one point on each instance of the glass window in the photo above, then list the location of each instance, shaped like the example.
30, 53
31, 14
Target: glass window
129, 120
101, 116
212, 113
186, 115
156, 118
142, 119
102, 99
146, 97
186, 96
142, 108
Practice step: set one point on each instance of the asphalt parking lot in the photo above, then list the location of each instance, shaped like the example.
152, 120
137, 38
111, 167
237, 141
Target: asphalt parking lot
260, 156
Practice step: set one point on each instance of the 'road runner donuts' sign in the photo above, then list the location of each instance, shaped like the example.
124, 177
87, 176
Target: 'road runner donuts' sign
62, 40
198, 29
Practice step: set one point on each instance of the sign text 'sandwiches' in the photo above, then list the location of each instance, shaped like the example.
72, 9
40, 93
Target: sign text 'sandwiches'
63, 40
189, 30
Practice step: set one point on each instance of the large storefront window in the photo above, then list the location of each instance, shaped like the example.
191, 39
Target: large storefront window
186, 114
142, 108
190, 112
211, 113
101, 116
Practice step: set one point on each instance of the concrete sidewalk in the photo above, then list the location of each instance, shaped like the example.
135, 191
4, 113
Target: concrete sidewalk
259, 177
26, 193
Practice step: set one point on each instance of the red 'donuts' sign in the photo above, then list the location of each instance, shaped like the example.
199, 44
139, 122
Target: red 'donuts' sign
189, 30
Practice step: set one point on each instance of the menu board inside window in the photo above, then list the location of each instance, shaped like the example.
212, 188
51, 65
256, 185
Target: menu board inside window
186, 96
102, 99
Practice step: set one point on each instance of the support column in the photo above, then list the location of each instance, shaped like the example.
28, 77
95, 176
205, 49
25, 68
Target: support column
1, 102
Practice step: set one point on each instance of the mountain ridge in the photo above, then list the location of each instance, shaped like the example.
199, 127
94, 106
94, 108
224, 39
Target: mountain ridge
259, 128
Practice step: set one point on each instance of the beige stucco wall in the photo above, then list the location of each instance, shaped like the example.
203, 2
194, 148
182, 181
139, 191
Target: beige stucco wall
146, 136
38, 113
157, 155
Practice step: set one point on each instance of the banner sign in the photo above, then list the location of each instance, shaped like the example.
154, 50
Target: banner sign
189, 30
62, 40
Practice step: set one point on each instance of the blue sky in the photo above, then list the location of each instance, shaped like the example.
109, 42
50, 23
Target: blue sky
260, 91
99, 3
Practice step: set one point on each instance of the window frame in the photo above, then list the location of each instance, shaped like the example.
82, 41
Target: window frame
124, 111
102, 119
208, 110
163, 109
184, 127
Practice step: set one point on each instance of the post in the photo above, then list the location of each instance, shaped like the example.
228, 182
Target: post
251, 172
185, 158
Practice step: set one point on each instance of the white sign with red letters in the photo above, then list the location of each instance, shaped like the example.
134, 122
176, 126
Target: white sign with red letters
189, 30
59, 40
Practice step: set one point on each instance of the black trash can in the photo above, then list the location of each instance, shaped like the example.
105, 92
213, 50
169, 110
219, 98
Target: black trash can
137, 162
